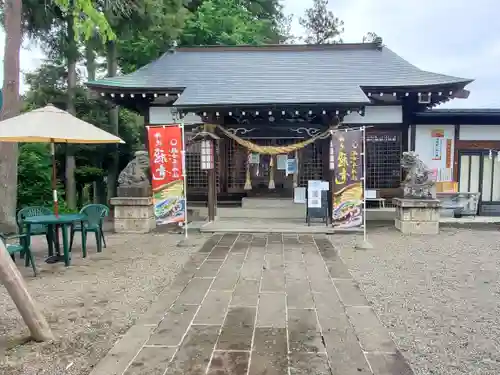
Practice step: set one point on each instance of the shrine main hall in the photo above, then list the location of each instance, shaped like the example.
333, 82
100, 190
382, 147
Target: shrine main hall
281, 95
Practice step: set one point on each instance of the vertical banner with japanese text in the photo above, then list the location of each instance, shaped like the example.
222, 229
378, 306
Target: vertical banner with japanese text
347, 199
165, 153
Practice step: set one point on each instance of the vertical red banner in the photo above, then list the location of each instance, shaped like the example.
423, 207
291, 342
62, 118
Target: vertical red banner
165, 153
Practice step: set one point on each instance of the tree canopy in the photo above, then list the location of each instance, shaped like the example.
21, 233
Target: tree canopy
108, 37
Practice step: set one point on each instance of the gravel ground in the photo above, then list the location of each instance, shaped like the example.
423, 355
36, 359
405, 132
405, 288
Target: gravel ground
91, 304
438, 295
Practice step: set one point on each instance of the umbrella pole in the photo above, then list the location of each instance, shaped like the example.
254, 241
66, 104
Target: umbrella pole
54, 179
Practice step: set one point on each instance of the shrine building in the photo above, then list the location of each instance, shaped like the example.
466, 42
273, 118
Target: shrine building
282, 95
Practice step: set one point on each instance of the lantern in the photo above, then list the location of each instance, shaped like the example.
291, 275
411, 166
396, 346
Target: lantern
207, 154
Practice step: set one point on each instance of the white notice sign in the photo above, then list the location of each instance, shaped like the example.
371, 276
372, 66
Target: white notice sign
314, 188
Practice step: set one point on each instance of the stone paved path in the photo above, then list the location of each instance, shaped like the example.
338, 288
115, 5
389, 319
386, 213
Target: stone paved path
275, 304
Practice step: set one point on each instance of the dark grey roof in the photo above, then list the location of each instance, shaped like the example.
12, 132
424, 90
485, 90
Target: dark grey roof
461, 111
277, 74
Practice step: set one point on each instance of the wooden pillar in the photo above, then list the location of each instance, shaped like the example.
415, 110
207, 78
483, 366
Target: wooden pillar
212, 195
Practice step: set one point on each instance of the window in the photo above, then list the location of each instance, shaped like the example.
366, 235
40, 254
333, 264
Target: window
383, 162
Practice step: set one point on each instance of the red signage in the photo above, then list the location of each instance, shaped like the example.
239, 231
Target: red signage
448, 153
165, 152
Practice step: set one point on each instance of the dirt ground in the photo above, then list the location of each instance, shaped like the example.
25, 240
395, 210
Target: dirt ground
90, 304
439, 296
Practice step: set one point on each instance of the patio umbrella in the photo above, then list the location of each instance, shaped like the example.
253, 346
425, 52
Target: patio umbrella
52, 125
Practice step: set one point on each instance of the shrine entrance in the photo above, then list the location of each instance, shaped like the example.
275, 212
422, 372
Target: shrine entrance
261, 175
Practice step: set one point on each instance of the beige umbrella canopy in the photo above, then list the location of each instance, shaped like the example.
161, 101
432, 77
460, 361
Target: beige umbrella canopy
51, 124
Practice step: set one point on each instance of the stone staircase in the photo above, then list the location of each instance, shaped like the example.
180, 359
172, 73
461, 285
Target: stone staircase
264, 208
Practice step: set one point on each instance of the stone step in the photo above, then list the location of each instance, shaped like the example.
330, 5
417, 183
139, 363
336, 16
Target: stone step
259, 203
297, 212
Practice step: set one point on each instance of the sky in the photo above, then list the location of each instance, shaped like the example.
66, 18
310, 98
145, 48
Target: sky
455, 37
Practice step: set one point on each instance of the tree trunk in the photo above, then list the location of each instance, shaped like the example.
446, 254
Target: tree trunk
72, 56
13, 281
113, 119
9, 274
98, 186
11, 107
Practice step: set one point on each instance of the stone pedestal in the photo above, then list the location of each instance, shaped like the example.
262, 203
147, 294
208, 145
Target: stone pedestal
417, 216
133, 214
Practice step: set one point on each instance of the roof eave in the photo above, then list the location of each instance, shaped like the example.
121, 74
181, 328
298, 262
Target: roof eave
188, 106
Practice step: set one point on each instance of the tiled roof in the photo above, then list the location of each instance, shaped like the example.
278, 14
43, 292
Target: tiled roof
277, 74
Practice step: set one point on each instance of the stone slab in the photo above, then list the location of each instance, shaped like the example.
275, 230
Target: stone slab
309, 363
195, 351
410, 202
372, 335
269, 355
133, 212
194, 292
342, 346
350, 293
298, 294
246, 293
237, 330
131, 201
214, 308
210, 268
417, 227
389, 364
272, 310
173, 327
122, 353
304, 334
272, 281
132, 225
159, 308
229, 363
151, 361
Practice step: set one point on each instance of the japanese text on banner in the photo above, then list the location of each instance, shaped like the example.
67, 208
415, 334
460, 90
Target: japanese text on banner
348, 188
165, 148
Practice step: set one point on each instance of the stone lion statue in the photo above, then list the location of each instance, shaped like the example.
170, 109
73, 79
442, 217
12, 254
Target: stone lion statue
418, 182
135, 174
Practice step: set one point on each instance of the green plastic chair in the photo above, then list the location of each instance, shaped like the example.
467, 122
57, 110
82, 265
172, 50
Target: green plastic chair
95, 214
22, 248
36, 229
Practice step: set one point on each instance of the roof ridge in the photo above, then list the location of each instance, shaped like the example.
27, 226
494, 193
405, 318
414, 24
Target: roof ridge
280, 47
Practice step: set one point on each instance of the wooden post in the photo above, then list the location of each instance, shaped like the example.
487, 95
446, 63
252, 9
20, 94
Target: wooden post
17, 289
212, 188
211, 194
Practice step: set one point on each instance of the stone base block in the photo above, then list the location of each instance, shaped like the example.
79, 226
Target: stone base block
417, 216
417, 227
133, 214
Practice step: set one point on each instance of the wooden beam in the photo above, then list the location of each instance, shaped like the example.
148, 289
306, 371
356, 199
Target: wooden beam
13, 281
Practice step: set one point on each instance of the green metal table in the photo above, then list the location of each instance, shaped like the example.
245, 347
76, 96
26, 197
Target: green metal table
54, 223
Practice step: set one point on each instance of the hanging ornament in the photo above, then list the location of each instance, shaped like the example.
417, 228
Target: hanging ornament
271, 173
248, 179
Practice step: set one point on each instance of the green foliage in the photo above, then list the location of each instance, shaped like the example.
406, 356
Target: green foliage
321, 25
149, 32
34, 175
226, 22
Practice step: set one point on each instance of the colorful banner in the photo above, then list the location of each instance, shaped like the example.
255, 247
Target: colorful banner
348, 174
165, 153
437, 136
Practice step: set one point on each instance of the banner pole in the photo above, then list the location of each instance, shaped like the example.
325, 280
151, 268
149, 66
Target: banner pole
184, 179
363, 129
365, 245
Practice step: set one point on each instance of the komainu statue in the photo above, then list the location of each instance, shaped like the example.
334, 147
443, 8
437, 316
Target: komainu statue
134, 178
418, 182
